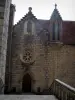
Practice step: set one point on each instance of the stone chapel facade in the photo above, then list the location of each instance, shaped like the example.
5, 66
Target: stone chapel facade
38, 51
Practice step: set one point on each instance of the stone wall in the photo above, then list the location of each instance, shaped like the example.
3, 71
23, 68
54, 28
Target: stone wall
65, 70
4, 22
51, 61
9, 45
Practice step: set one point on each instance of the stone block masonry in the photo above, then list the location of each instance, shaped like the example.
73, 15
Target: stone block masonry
4, 22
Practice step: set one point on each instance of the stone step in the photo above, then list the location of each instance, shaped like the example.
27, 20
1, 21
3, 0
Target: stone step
28, 97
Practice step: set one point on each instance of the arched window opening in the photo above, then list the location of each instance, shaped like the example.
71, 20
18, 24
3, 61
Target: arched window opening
29, 27
58, 37
56, 31
53, 34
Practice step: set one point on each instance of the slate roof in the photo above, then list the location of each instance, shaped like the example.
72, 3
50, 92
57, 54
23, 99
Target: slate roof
41, 25
68, 36
56, 15
30, 15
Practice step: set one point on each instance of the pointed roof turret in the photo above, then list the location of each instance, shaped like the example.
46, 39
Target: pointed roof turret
56, 15
30, 15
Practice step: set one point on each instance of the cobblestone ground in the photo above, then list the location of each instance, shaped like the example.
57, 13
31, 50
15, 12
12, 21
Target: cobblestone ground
27, 97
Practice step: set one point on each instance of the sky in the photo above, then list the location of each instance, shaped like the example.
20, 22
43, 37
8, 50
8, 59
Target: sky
43, 9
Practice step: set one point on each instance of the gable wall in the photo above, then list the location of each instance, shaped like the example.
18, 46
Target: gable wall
52, 61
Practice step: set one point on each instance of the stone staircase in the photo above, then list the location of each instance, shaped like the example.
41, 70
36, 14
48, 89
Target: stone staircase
27, 97
58, 91
62, 90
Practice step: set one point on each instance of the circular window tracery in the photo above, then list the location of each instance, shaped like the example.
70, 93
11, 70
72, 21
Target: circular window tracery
27, 56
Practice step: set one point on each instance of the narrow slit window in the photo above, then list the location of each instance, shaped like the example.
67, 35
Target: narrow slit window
29, 27
58, 32
53, 36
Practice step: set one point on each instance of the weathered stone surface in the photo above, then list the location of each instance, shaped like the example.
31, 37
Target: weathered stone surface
1, 86
4, 18
52, 59
27, 97
51, 62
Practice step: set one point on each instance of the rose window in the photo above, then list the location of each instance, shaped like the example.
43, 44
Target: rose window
27, 57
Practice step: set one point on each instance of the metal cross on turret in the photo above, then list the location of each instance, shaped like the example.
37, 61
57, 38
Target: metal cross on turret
55, 6
30, 9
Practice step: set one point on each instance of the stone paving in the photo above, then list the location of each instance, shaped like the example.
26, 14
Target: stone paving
27, 97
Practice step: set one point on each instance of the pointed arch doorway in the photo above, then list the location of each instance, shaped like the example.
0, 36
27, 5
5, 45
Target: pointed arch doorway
26, 83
